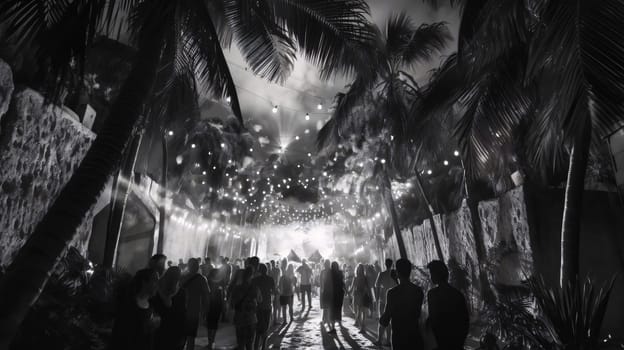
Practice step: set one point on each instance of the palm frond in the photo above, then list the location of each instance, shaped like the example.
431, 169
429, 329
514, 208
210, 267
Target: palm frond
579, 40
330, 33
263, 41
425, 42
208, 60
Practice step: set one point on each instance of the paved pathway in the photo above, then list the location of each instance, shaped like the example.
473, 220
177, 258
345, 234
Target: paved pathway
304, 333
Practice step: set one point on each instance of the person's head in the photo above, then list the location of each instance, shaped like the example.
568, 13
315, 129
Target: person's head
438, 271
335, 266
389, 263
254, 262
169, 263
404, 269
193, 265
262, 269
304, 263
273, 263
359, 270
157, 262
226, 259
170, 282
180, 261
145, 283
246, 274
327, 264
207, 260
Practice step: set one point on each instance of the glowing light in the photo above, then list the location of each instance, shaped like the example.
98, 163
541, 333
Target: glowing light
307, 117
204, 172
309, 154
383, 161
446, 162
307, 131
179, 160
251, 150
456, 153
193, 145
429, 172
297, 137
222, 145
320, 106
170, 133
274, 110
228, 99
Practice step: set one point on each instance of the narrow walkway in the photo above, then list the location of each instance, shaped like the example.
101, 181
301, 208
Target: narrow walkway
304, 333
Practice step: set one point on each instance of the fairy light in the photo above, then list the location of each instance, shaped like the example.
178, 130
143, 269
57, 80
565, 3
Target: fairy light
193, 145
228, 99
319, 106
170, 133
446, 163
274, 110
456, 153
307, 116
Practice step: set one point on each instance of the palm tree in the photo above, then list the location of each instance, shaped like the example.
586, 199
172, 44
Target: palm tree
401, 46
549, 72
178, 34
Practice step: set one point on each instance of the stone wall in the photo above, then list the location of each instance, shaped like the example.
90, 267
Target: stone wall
40, 147
506, 238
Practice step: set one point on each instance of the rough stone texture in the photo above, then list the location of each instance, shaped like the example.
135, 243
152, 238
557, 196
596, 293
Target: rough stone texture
6, 87
506, 237
39, 151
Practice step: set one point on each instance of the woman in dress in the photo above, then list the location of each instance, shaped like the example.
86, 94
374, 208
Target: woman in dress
170, 304
215, 306
338, 292
362, 296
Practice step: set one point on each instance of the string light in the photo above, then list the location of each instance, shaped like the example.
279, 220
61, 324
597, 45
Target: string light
274, 110
170, 133
193, 145
228, 99
456, 153
446, 162
320, 106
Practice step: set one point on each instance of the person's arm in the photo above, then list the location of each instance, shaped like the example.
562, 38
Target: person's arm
378, 284
386, 317
205, 293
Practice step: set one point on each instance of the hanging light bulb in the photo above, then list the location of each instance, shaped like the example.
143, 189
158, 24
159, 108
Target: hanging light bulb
446, 162
170, 133
320, 106
228, 99
297, 137
429, 172
179, 159
456, 153
274, 110
307, 117
307, 131
193, 145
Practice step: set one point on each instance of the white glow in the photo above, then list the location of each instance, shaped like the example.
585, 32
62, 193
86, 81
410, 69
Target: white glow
446, 162
228, 99
274, 110
170, 132
193, 145
320, 106
307, 116
429, 172
456, 153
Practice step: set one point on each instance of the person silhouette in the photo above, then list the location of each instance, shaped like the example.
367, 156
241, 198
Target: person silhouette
403, 307
448, 313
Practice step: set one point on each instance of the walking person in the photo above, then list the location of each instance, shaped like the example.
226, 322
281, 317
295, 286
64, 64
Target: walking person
326, 291
275, 275
215, 306
337, 297
362, 297
403, 307
136, 321
385, 281
266, 286
245, 300
197, 297
286, 288
170, 303
305, 286
448, 313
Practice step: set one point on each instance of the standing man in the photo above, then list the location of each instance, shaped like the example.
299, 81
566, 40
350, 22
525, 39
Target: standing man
305, 272
403, 306
197, 298
206, 267
264, 283
275, 274
384, 282
157, 263
448, 313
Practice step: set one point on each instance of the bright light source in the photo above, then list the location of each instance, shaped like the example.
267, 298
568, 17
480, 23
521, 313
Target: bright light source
170, 133
179, 160
307, 117
228, 99
320, 106
274, 110
204, 172
446, 162
251, 150
456, 153
297, 137
383, 161
193, 145
429, 172
307, 131
222, 145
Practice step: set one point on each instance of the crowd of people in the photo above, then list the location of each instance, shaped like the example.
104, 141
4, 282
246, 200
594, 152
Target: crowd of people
166, 304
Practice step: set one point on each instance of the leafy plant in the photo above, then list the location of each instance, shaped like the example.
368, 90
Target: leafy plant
573, 314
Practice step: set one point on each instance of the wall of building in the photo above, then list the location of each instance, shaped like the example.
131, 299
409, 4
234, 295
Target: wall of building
40, 146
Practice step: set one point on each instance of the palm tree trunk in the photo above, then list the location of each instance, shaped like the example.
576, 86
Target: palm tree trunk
573, 206
394, 217
434, 229
28, 273
119, 199
162, 207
